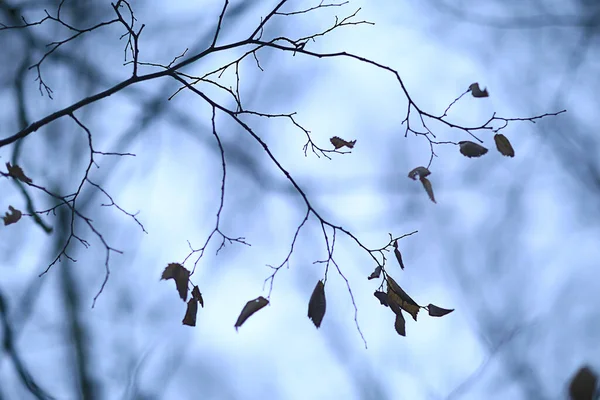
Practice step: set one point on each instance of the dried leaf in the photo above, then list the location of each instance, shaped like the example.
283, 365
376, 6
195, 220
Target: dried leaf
436, 311
583, 384
382, 297
397, 296
471, 149
197, 295
421, 172
12, 216
376, 273
180, 275
16, 172
428, 188
338, 143
250, 308
397, 254
503, 145
400, 324
317, 304
190, 313
476, 91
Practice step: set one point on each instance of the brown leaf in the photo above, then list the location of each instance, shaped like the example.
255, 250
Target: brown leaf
471, 149
16, 172
375, 274
12, 216
398, 255
400, 324
428, 188
197, 295
503, 145
421, 172
250, 308
476, 91
180, 275
436, 311
583, 384
338, 143
382, 297
398, 297
190, 314
317, 304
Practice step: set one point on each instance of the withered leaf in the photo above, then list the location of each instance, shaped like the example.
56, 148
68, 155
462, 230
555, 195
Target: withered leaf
317, 304
12, 216
471, 149
503, 145
197, 295
397, 296
338, 143
16, 172
476, 91
398, 255
250, 308
180, 275
382, 297
436, 311
583, 384
376, 273
421, 172
190, 313
428, 188
400, 324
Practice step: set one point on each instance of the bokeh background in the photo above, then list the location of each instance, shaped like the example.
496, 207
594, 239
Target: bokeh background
511, 244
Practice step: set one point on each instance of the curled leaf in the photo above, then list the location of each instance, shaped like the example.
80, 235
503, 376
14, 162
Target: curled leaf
421, 172
250, 308
382, 297
583, 384
197, 295
503, 145
476, 90
16, 172
428, 188
471, 149
180, 275
436, 311
338, 143
399, 298
375, 274
400, 324
317, 304
190, 313
12, 216
397, 254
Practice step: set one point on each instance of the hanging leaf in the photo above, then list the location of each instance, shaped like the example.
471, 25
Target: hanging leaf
190, 313
436, 311
397, 254
12, 216
382, 297
398, 297
338, 143
250, 308
375, 274
180, 275
471, 149
421, 172
317, 304
16, 172
583, 384
400, 324
503, 145
197, 295
476, 91
428, 188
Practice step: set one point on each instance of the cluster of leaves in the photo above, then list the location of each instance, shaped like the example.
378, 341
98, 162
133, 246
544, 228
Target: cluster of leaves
181, 276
